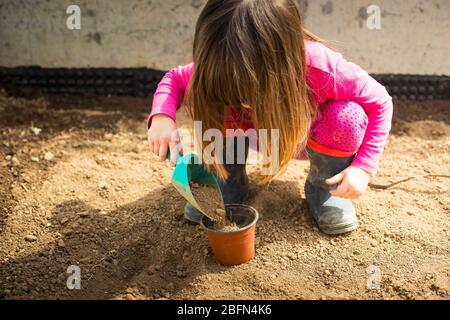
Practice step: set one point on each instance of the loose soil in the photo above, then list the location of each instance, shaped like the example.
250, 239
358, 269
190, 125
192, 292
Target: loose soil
229, 227
85, 190
211, 201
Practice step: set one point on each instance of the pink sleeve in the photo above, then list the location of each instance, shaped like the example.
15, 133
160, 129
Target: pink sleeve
352, 82
170, 92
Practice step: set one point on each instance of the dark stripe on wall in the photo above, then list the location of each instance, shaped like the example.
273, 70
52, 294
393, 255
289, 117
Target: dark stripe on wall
139, 82
142, 82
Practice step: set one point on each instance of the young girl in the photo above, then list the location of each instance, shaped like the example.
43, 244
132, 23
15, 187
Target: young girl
256, 66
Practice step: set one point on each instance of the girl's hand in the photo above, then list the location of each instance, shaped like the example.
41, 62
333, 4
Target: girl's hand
352, 182
163, 134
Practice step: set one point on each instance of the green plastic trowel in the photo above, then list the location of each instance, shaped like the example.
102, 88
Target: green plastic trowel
188, 170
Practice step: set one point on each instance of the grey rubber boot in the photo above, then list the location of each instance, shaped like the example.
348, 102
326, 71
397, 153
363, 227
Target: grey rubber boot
234, 189
333, 215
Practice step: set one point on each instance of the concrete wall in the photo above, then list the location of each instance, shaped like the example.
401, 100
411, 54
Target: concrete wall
415, 34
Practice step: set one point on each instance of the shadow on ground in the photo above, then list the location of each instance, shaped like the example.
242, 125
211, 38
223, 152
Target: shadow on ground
144, 248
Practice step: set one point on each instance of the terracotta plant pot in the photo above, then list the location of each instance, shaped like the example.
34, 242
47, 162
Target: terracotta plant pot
238, 246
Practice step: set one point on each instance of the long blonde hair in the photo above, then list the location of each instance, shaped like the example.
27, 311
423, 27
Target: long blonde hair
251, 54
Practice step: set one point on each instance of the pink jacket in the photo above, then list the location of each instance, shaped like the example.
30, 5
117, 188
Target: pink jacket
330, 77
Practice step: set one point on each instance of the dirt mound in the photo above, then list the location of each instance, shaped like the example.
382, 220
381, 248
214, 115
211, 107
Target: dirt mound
84, 190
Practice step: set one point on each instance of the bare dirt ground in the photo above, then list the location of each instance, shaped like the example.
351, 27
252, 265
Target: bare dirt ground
85, 191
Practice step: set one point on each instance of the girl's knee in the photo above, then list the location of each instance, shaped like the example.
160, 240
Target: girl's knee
340, 125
